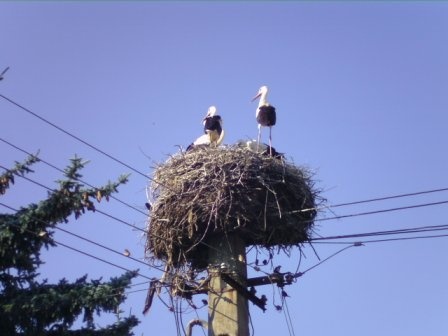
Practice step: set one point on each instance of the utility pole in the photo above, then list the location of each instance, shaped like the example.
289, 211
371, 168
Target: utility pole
228, 312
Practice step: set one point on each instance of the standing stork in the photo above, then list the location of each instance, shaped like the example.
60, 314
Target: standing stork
214, 133
266, 116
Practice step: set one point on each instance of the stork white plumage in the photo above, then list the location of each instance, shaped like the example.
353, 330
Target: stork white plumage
265, 115
260, 148
214, 133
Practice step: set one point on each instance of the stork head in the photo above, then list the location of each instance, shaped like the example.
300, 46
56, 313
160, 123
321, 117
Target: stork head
211, 111
261, 92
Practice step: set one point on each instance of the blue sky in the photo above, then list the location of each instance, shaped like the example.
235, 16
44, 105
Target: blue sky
360, 91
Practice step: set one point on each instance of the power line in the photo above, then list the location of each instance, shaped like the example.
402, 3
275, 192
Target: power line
96, 210
419, 229
329, 257
381, 240
62, 171
30, 180
102, 260
390, 197
372, 200
403, 238
108, 248
382, 211
81, 140
289, 323
92, 242
80, 251
109, 215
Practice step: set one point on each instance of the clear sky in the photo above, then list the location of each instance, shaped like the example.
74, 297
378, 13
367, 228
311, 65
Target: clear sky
361, 95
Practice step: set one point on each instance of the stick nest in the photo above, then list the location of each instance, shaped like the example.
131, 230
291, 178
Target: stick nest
212, 192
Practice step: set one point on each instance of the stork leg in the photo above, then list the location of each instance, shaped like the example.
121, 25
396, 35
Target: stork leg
270, 140
259, 138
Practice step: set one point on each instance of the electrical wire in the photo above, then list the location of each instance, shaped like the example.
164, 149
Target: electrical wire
77, 179
384, 198
134, 291
363, 242
382, 211
176, 317
288, 319
251, 323
83, 252
419, 229
108, 248
96, 210
101, 259
90, 241
406, 231
111, 216
180, 311
329, 257
300, 261
390, 197
81, 140
288, 324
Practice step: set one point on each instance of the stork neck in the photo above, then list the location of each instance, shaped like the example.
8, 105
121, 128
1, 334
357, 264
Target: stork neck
263, 101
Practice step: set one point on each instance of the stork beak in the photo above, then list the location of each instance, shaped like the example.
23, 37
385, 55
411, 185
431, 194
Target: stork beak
258, 95
206, 116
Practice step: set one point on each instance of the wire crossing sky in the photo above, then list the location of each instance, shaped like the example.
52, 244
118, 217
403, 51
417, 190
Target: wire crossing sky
360, 94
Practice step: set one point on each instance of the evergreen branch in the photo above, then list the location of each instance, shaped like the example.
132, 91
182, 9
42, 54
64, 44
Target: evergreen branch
19, 169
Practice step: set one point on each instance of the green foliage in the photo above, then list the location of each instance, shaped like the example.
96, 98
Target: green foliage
30, 307
19, 169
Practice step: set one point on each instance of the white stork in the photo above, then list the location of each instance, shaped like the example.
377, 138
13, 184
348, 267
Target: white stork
266, 116
214, 134
261, 148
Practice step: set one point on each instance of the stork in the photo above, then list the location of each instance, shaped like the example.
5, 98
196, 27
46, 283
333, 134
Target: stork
261, 148
213, 126
214, 134
266, 116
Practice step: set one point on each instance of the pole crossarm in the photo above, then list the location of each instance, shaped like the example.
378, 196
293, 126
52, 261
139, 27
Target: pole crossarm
274, 278
259, 302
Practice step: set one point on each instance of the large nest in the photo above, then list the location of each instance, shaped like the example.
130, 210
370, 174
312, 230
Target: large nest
213, 192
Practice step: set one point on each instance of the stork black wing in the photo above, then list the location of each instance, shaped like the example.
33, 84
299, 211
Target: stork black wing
266, 115
213, 124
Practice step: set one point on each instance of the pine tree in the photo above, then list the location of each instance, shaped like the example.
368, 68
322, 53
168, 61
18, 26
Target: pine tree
29, 306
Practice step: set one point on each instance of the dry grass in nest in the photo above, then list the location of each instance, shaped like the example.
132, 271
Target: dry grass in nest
211, 192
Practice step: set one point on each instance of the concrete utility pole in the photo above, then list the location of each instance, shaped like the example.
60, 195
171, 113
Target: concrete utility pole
228, 312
